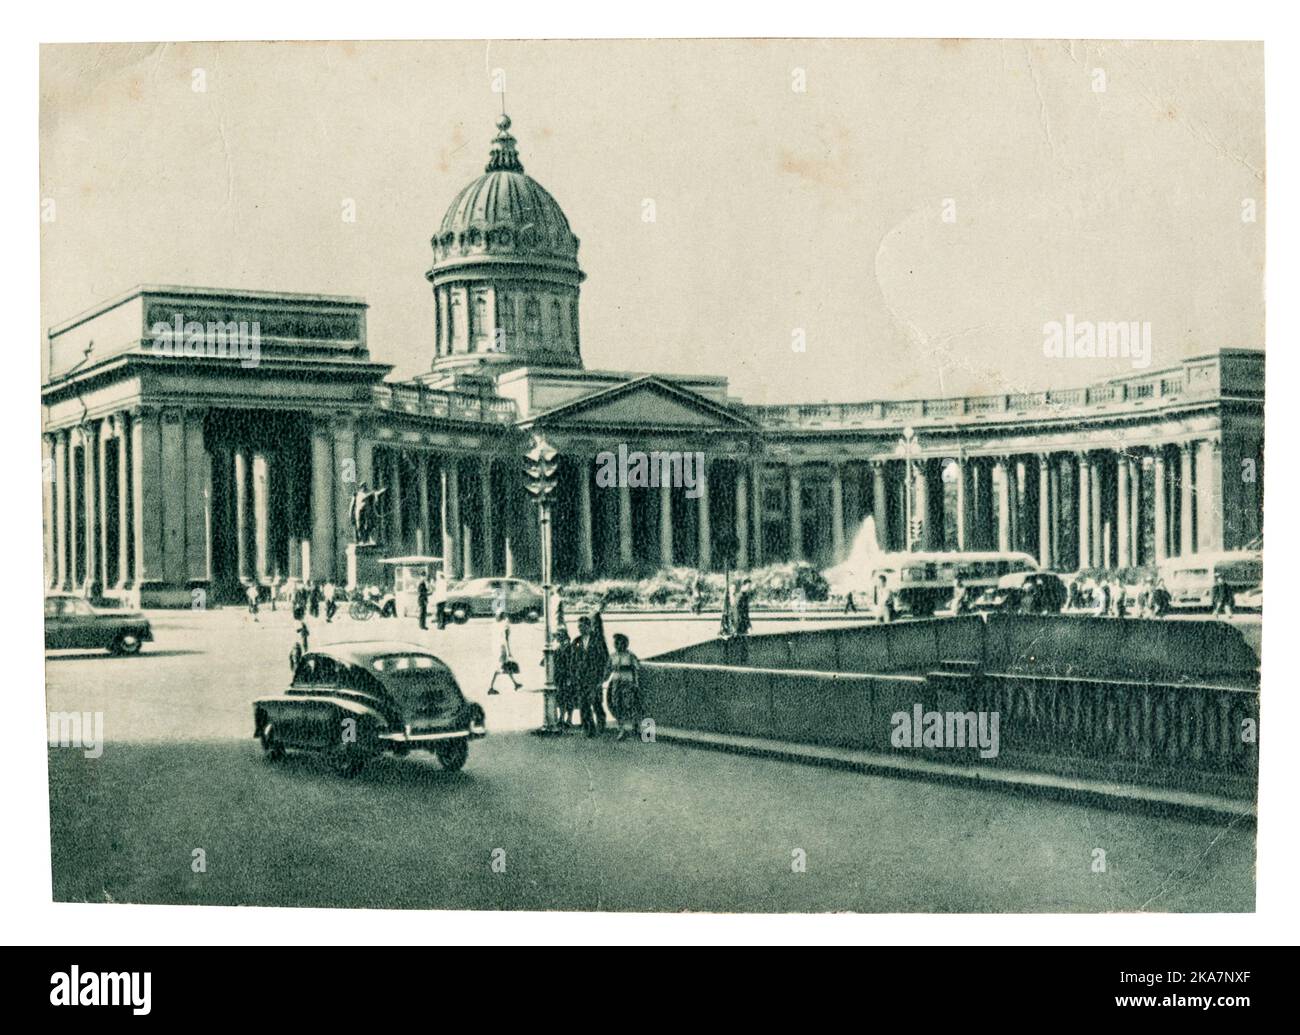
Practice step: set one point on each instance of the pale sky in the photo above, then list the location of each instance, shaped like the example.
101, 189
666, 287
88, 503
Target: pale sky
776, 209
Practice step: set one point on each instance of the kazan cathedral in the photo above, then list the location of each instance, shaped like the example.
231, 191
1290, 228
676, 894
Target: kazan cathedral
166, 473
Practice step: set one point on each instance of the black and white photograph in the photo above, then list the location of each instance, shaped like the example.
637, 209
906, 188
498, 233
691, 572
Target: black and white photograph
767, 475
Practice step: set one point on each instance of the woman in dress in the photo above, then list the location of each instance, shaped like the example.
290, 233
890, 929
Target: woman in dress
624, 684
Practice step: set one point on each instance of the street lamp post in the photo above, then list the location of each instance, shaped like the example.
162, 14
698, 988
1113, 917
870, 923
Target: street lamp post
909, 448
541, 475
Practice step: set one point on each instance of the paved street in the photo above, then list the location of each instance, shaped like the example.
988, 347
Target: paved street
570, 823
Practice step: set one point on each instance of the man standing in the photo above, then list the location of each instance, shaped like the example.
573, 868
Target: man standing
330, 607
422, 598
590, 659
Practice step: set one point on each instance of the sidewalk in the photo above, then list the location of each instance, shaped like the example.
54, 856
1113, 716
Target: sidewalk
1165, 802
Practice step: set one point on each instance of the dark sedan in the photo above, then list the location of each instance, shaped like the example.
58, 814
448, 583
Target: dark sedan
351, 702
71, 621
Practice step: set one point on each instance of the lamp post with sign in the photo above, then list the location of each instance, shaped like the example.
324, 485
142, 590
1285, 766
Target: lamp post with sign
541, 474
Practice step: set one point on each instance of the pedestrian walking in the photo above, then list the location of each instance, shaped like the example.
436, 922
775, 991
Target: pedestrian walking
300, 647
624, 683
506, 664
251, 594
314, 600
331, 606
1221, 597
275, 589
883, 600
422, 599
850, 605
740, 625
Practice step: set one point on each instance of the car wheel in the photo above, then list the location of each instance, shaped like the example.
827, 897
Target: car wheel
125, 643
271, 746
452, 755
533, 614
460, 615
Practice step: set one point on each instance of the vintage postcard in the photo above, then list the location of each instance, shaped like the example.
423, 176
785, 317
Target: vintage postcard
727, 476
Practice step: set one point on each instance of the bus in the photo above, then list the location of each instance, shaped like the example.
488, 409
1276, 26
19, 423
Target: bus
923, 582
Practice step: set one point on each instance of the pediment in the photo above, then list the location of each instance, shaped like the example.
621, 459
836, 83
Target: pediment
647, 402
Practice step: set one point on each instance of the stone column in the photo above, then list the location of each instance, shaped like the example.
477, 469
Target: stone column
1161, 506
756, 510
488, 524
665, 526
101, 497
123, 505
62, 532
1085, 511
1123, 551
742, 519
1045, 510
963, 515
1058, 552
450, 483
1001, 478
880, 503
88, 468
704, 531
1019, 531
322, 505
425, 544
1185, 486
198, 500
74, 511
243, 515
1099, 559
146, 495
398, 544
624, 525
837, 513
586, 546
796, 513
1209, 496
261, 515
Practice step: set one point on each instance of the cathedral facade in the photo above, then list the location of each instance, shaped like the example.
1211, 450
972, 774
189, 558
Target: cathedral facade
202, 439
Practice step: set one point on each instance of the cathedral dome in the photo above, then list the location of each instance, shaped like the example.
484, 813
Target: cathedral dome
505, 212
505, 272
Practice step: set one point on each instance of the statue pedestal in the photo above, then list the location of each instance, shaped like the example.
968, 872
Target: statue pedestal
364, 568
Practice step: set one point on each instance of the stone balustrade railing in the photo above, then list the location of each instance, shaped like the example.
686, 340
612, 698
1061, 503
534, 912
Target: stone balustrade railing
427, 402
1159, 385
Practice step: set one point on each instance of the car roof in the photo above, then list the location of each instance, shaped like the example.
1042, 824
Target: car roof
362, 652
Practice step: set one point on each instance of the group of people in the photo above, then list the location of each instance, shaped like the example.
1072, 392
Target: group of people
1111, 598
735, 610
588, 678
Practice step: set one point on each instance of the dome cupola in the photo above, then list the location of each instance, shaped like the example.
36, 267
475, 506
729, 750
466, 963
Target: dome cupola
505, 272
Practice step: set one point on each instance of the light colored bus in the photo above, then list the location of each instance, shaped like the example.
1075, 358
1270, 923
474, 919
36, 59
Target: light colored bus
1190, 580
923, 582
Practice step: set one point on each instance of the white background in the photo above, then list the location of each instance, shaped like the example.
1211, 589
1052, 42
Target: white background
29, 915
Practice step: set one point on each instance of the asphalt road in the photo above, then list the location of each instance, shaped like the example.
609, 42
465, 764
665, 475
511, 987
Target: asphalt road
566, 823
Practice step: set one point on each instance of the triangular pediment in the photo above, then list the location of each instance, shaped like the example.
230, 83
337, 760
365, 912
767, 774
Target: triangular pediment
646, 402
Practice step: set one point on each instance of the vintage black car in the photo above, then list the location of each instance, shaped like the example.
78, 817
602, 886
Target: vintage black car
353, 701
71, 621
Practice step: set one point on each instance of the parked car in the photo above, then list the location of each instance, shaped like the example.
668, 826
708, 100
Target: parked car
354, 701
1249, 600
1013, 592
72, 621
484, 597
